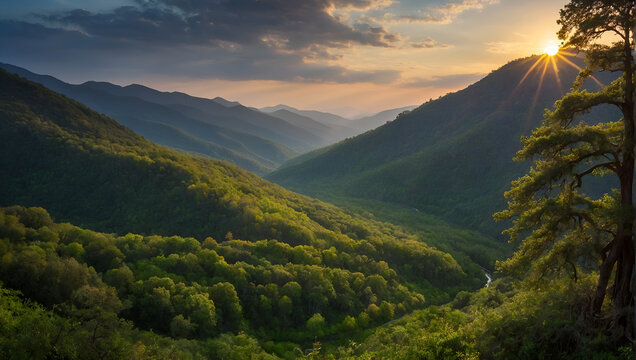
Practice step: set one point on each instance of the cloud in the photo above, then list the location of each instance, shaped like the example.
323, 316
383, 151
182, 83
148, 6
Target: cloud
299, 25
62, 50
226, 39
420, 19
445, 81
362, 5
457, 7
428, 43
507, 47
440, 14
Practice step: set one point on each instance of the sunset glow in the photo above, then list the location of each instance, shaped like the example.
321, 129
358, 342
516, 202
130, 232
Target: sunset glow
371, 55
551, 50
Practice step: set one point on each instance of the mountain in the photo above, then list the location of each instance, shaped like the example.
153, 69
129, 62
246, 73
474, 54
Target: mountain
193, 247
373, 121
86, 168
331, 133
331, 128
225, 102
170, 127
452, 156
221, 112
320, 116
300, 120
217, 128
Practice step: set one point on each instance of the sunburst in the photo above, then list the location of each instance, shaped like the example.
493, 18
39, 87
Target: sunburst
551, 50
541, 66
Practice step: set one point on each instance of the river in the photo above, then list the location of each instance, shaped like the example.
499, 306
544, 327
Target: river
488, 276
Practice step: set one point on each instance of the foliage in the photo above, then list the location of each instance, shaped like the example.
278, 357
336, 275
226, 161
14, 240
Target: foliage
182, 288
86, 168
238, 135
471, 249
504, 321
30, 331
564, 228
450, 157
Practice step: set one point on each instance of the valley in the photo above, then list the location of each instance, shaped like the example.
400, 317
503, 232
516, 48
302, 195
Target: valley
155, 204
260, 227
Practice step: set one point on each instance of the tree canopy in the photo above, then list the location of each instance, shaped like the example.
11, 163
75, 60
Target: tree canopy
567, 225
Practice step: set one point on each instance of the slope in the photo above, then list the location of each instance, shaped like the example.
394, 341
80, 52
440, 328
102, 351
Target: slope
373, 121
225, 102
451, 156
86, 168
317, 122
171, 127
320, 116
223, 113
331, 133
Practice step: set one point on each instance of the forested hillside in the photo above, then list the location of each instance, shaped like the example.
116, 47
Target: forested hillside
373, 121
451, 156
227, 114
254, 141
504, 321
322, 117
135, 223
185, 288
272, 245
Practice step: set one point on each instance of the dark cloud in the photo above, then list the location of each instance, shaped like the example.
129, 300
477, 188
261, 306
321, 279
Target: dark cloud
58, 51
446, 81
298, 24
226, 39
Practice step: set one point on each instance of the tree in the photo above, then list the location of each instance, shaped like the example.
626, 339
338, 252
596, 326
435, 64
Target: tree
202, 313
566, 226
316, 324
181, 327
228, 305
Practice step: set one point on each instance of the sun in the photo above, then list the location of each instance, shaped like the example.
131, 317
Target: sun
551, 50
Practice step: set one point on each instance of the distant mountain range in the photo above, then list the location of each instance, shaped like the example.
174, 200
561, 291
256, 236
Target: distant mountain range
373, 121
258, 141
451, 156
187, 123
347, 127
323, 117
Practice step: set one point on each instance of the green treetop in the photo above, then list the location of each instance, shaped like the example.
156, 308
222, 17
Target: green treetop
565, 229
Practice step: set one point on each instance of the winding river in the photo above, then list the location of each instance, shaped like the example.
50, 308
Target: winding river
488, 276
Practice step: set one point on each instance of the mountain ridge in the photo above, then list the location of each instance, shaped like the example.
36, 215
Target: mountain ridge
454, 154
87, 168
228, 114
171, 127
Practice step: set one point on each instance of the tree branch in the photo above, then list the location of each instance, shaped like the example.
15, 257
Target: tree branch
608, 165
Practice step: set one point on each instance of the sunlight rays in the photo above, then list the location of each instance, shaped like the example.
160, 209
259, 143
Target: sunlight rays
523, 78
542, 57
569, 62
535, 99
551, 50
552, 61
556, 75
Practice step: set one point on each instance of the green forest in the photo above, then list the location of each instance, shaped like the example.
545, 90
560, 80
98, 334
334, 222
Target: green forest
452, 244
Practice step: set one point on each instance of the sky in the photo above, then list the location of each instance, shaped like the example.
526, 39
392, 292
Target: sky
350, 57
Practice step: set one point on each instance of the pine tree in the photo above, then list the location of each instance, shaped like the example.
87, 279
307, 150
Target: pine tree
564, 228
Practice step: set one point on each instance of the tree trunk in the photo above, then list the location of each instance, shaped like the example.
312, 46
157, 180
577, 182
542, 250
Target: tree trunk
622, 252
605, 273
623, 292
